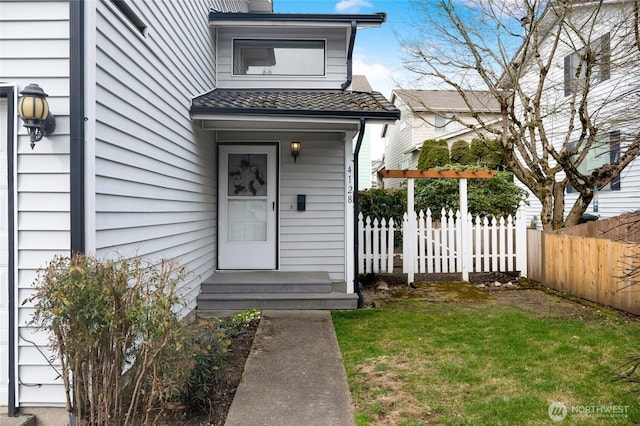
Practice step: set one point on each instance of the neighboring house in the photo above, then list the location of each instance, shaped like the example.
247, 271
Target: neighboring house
174, 125
376, 166
613, 99
431, 114
361, 84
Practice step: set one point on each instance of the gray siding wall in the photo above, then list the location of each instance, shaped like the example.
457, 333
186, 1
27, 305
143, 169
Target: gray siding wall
336, 59
34, 48
313, 240
154, 170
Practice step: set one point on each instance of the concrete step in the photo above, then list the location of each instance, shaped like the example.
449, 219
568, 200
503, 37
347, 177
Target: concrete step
21, 420
243, 301
266, 287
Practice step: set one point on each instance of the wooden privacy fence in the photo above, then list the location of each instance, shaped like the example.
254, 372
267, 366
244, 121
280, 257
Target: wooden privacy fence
446, 245
590, 267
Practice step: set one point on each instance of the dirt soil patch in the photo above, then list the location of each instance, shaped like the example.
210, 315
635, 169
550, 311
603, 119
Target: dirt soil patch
498, 287
225, 390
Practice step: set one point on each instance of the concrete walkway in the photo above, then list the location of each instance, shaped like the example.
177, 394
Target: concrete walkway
294, 374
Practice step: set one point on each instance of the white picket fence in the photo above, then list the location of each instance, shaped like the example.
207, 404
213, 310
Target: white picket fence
491, 244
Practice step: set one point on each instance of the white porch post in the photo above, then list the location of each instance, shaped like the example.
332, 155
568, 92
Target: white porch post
465, 240
411, 232
348, 217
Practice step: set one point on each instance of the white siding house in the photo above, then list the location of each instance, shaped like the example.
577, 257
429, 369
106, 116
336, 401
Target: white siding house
34, 47
154, 194
160, 121
612, 99
431, 114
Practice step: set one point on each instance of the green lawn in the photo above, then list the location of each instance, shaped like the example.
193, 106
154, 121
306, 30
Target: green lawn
488, 362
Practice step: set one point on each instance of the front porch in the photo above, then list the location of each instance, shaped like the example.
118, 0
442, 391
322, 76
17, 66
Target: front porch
227, 292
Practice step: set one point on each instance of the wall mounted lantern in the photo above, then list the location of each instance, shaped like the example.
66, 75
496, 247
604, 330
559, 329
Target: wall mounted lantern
295, 150
33, 108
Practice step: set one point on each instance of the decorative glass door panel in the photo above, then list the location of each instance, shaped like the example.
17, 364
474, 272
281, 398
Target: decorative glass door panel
247, 220
247, 206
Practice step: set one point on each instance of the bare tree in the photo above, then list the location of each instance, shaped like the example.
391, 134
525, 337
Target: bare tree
565, 74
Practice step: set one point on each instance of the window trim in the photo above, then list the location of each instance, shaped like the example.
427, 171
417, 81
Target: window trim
614, 153
600, 70
265, 40
130, 18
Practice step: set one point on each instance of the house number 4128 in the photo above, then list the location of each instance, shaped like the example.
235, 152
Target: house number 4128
349, 186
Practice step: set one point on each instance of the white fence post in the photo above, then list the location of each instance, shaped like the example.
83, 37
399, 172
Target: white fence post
391, 244
375, 254
383, 246
521, 241
421, 243
429, 241
464, 238
361, 251
477, 235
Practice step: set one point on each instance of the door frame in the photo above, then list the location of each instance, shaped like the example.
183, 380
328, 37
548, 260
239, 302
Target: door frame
276, 231
8, 91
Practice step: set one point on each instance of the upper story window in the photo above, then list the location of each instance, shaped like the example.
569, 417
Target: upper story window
596, 58
279, 57
444, 123
605, 150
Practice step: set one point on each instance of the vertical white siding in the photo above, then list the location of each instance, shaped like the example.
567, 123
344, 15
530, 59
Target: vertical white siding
336, 59
34, 48
154, 170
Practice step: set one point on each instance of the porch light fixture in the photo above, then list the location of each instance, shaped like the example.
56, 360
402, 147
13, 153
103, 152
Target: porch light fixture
295, 150
33, 108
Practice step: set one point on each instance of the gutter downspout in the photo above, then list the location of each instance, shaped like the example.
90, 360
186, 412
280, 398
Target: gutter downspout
352, 42
356, 272
10, 92
77, 119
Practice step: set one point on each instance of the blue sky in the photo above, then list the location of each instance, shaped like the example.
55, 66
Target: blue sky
377, 53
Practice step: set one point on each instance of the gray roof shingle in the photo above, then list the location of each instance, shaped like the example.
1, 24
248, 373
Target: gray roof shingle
295, 103
448, 100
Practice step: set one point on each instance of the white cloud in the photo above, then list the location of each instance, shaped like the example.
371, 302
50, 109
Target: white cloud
352, 5
378, 75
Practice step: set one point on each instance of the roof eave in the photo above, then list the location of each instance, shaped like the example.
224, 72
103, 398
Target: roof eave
205, 113
217, 19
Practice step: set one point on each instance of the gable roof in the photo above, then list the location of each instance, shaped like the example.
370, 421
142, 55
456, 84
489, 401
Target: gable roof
447, 100
310, 103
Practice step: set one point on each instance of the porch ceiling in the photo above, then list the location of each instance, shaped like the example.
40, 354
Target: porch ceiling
291, 109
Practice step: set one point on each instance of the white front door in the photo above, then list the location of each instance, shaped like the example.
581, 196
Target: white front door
247, 206
4, 259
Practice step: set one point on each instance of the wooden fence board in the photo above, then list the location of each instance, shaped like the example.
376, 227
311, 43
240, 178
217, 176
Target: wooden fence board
534, 255
590, 268
623, 228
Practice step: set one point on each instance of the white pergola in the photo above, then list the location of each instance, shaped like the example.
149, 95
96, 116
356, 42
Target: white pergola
411, 175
